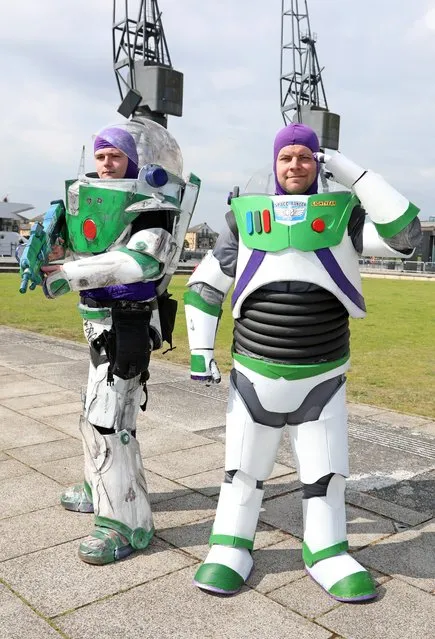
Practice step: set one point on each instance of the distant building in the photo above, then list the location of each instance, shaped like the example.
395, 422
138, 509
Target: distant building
200, 238
426, 250
11, 218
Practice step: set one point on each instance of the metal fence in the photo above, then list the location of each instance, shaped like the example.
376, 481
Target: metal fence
402, 266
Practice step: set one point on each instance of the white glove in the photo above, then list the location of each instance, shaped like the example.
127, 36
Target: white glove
203, 366
344, 170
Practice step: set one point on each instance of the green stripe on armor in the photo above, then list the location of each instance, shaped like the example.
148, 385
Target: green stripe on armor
393, 228
311, 558
229, 540
194, 299
197, 364
94, 313
139, 538
149, 265
287, 371
194, 179
88, 490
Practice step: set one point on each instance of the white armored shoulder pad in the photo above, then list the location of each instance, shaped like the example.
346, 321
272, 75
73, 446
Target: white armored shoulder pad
374, 245
209, 272
155, 242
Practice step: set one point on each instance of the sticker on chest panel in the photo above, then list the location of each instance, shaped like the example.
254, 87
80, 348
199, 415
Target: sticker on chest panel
290, 211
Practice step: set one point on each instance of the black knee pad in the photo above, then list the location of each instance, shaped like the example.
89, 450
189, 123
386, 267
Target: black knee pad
318, 489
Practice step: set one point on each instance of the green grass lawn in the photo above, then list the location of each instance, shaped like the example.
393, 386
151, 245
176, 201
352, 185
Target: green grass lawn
393, 349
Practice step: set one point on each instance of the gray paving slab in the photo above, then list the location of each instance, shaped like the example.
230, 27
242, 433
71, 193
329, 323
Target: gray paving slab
24, 431
36, 401
164, 372
67, 424
277, 565
38, 341
400, 611
394, 418
183, 463
21, 354
10, 468
63, 471
4, 370
193, 537
28, 386
162, 489
55, 409
182, 510
209, 482
27, 533
155, 441
362, 410
428, 429
387, 508
305, 597
47, 452
55, 580
190, 413
66, 375
18, 620
364, 528
417, 493
27, 493
409, 556
250, 614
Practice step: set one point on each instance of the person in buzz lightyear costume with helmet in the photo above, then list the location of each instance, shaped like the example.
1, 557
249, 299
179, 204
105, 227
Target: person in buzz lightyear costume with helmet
125, 229
293, 260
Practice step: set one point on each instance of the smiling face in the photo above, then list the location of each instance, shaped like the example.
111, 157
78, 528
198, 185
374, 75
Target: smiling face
110, 163
296, 168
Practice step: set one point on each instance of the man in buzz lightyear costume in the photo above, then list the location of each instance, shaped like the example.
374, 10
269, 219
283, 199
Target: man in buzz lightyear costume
125, 228
293, 259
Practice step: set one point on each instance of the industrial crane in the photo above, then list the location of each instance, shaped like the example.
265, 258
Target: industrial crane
148, 84
303, 97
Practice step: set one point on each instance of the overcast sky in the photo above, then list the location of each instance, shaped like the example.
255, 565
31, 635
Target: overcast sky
58, 88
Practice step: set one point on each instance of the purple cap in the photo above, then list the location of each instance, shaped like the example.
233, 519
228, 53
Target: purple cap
117, 138
295, 134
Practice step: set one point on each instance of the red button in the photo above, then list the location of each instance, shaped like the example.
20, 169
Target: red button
89, 229
318, 225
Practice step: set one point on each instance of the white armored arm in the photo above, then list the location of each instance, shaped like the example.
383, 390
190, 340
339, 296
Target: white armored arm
390, 211
143, 259
208, 287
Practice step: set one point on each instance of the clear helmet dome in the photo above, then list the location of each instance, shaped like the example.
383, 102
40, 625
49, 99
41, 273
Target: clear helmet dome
263, 181
153, 143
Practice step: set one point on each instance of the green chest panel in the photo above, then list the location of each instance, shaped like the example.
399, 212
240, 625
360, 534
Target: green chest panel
98, 217
304, 222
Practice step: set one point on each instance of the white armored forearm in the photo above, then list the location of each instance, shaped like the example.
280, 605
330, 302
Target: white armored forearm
208, 286
121, 266
390, 211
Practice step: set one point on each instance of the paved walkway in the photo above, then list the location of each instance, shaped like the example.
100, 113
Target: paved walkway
46, 592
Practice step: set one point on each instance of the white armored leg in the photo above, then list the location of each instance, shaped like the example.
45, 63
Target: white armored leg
251, 450
321, 453
121, 503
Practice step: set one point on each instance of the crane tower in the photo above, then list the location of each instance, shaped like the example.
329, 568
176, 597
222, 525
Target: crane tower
148, 84
303, 97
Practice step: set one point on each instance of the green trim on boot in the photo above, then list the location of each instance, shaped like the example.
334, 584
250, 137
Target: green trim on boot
218, 578
104, 546
311, 558
78, 498
229, 540
356, 587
